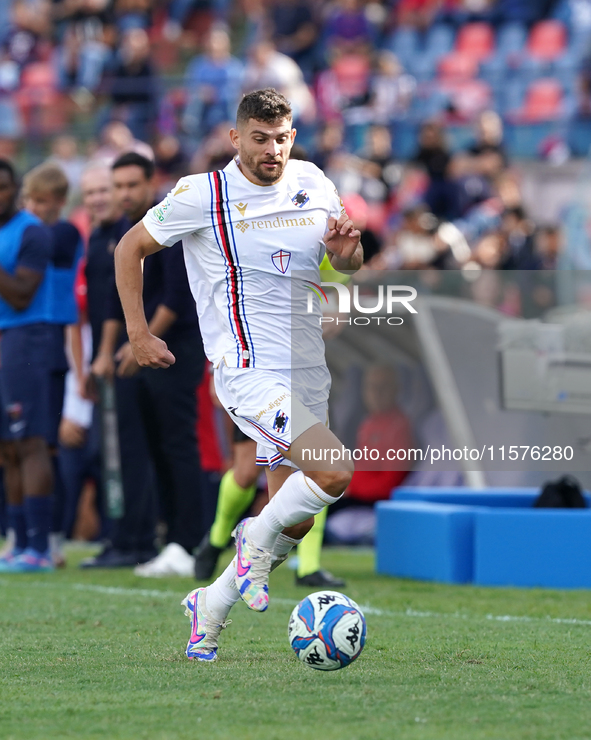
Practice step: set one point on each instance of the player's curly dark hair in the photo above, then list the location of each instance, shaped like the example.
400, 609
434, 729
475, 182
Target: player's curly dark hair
266, 105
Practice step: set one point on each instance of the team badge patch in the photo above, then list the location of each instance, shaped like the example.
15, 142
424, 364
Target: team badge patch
281, 422
163, 210
300, 199
281, 260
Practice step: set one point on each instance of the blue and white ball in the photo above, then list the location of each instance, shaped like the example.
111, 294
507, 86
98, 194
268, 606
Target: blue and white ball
327, 630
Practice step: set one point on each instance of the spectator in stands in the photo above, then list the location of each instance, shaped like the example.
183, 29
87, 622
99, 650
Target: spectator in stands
133, 14
385, 428
518, 231
433, 156
213, 80
330, 140
89, 35
293, 29
476, 169
413, 245
215, 152
346, 28
29, 26
266, 67
133, 85
548, 246
64, 152
380, 168
391, 89
116, 139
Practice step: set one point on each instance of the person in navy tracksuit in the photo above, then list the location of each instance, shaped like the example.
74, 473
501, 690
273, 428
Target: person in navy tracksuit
26, 423
45, 190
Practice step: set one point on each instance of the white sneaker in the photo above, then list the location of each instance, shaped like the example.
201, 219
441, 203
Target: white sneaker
174, 560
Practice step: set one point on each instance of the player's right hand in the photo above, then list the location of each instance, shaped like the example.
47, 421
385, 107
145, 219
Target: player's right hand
150, 351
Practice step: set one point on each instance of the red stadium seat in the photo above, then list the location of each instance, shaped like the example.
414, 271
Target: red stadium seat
352, 74
543, 101
547, 40
458, 66
477, 40
43, 108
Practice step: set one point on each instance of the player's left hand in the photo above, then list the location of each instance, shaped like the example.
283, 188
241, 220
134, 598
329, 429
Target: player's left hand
128, 365
342, 238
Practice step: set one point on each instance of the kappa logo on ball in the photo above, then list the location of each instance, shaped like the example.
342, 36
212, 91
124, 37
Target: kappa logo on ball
281, 422
281, 260
300, 198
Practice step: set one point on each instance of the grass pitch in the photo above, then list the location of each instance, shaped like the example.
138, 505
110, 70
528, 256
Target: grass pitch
101, 655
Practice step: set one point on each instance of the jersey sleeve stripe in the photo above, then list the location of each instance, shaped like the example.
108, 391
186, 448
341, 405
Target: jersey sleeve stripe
232, 273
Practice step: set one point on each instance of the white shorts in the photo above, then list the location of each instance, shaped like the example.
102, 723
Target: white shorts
273, 407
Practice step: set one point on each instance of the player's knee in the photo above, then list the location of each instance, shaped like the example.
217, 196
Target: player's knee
298, 531
332, 482
246, 475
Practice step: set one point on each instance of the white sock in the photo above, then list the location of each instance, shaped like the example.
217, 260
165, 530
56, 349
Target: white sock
281, 549
298, 499
221, 596
283, 545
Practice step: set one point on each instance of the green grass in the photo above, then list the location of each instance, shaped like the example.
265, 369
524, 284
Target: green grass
101, 655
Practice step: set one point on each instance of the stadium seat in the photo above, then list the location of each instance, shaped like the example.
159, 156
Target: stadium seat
547, 40
352, 75
476, 40
41, 105
511, 39
458, 65
543, 101
405, 43
439, 41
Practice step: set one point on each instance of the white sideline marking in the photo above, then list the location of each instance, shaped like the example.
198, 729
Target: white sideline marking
366, 608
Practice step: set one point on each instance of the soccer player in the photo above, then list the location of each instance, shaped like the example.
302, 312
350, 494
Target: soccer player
25, 397
244, 230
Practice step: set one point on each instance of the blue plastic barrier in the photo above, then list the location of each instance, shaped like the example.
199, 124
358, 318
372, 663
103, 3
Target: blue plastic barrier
431, 542
549, 547
491, 537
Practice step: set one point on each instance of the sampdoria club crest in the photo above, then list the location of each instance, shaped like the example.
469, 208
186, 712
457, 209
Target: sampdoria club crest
281, 260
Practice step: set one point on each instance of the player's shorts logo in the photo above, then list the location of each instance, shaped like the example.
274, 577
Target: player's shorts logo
300, 199
281, 260
281, 422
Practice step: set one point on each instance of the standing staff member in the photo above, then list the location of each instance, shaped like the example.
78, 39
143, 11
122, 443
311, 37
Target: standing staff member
28, 428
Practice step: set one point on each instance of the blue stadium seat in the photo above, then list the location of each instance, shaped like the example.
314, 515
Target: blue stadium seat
439, 40
511, 39
405, 43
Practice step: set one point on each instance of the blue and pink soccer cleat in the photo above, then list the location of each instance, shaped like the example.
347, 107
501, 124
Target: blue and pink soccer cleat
28, 561
205, 631
253, 565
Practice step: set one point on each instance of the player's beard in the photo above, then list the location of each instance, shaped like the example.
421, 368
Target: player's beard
257, 169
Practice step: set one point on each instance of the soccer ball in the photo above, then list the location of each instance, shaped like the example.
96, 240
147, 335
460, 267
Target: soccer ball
327, 630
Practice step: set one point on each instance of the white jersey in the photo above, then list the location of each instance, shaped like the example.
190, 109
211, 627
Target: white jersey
242, 242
